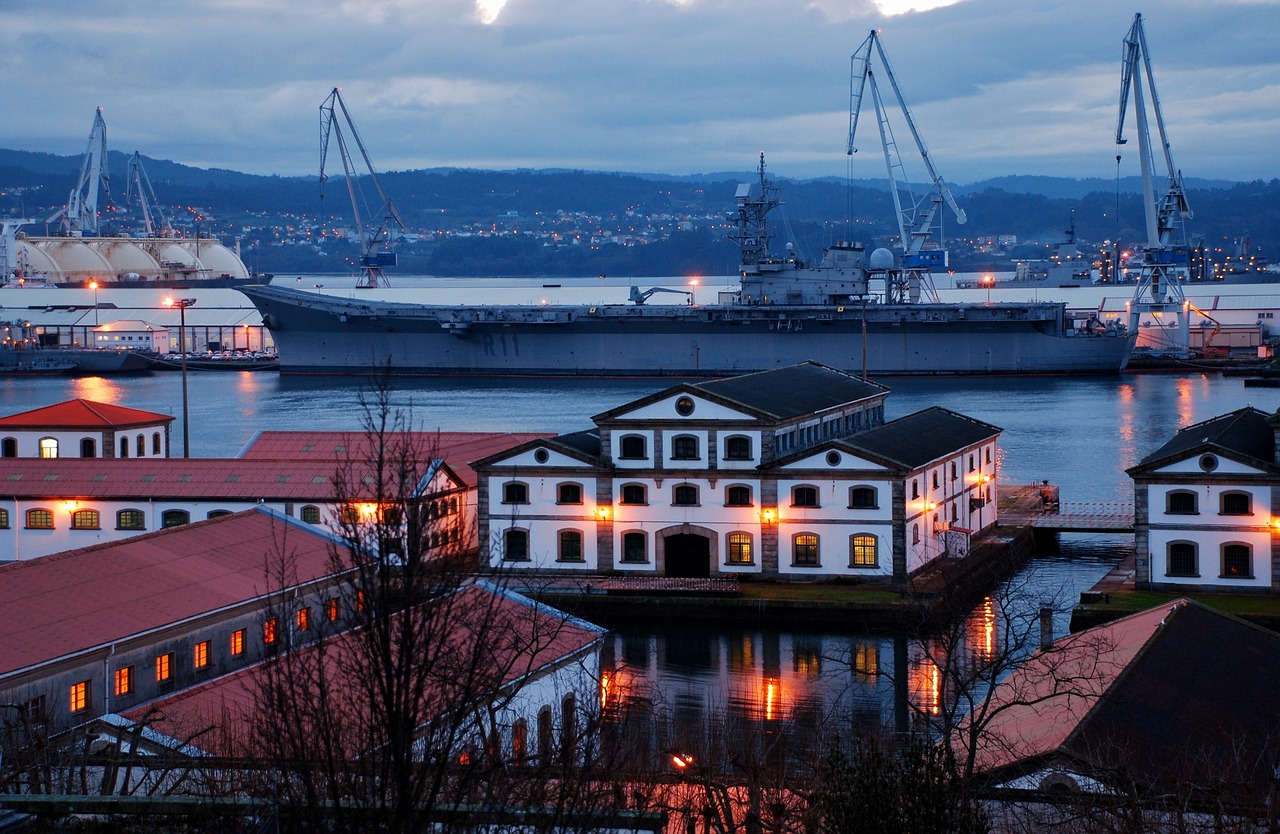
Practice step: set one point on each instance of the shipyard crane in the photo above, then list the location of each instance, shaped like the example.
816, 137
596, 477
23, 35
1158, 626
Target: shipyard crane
916, 214
374, 240
80, 214
153, 218
1166, 255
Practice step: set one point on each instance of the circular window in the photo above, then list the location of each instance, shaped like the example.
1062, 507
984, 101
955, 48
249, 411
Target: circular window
684, 406
541, 456
833, 458
1208, 463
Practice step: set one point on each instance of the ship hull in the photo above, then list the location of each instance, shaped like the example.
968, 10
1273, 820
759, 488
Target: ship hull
318, 334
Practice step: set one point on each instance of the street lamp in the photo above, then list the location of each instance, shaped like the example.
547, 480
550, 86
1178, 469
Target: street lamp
93, 285
988, 281
182, 304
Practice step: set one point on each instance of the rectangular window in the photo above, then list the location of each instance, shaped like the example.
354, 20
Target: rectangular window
739, 546
237, 642
866, 658
269, 631
79, 697
200, 657
570, 546
39, 519
805, 550
164, 667
302, 619
1183, 559
331, 610
123, 681
633, 548
569, 494
862, 551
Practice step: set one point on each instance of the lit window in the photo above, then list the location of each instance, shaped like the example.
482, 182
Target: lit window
200, 657
570, 546
164, 667
632, 447
4, 519
332, 609
123, 681
515, 492
237, 641
737, 496
1183, 559
863, 550
174, 518
520, 742
634, 547
804, 549
866, 658
48, 447
739, 547
310, 514
516, 545
633, 494
737, 448
302, 619
40, 519
1237, 561
1237, 503
569, 494
684, 495
79, 700
269, 631
862, 498
350, 514
804, 496
684, 447
131, 520
85, 520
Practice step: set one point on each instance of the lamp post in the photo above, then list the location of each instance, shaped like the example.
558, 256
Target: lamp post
988, 281
93, 285
182, 304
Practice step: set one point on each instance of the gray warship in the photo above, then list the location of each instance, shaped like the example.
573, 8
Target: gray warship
854, 310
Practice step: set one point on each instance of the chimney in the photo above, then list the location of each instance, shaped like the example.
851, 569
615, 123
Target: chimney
1046, 624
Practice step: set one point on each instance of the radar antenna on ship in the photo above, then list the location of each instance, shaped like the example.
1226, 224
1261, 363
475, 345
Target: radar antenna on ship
917, 214
375, 241
80, 214
1166, 257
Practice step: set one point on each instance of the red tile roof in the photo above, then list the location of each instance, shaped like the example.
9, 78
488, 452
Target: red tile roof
72, 601
179, 478
524, 638
457, 448
82, 414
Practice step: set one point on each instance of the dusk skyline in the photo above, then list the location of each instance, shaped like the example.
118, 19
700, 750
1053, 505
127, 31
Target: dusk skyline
657, 86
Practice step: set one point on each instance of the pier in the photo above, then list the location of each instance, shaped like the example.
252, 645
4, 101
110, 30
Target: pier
1037, 506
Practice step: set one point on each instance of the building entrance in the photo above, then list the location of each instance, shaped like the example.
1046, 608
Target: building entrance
688, 556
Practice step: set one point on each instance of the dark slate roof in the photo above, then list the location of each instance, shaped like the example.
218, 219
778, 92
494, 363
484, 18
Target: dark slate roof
793, 391
1244, 433
587, 442
922, 437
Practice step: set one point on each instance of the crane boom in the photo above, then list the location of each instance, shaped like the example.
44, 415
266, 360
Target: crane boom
80, 214
374, 240
139, 183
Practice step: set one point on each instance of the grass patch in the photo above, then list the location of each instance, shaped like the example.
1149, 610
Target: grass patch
821, 593
1237, 604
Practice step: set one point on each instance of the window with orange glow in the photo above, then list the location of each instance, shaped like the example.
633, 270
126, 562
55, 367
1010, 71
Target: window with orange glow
123, 681
164, 667
302, 619
48, 447
520, 742
79, 696
331, 609
85, 520
350, 515
269, 631
804, 550
863, 550
866, 658
200, 656
237, 641
739, 547
40, 519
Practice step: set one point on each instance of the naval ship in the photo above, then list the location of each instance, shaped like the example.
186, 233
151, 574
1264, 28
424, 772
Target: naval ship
853, 310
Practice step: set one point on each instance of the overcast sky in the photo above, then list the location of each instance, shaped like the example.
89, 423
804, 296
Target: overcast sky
669, 86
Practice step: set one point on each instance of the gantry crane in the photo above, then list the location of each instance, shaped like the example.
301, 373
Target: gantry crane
375, 241
153, 218
916, 215
1166, 256
80, 214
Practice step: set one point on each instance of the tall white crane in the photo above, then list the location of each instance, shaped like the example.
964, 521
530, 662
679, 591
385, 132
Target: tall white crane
80, 215
375, 241
1166, 255
917, 215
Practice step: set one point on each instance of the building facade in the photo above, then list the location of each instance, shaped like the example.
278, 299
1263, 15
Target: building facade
85, 429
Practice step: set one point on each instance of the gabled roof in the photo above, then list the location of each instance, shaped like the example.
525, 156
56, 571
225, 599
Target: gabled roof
77, 600
1246, 435
776, 395
526, 639
82, 414
920, 438
1158, 695
456, 448
580, 445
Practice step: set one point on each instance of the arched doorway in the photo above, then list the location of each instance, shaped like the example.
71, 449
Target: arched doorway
688, 556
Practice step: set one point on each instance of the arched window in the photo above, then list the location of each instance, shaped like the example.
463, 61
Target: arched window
131, 520
515, 492
174, 518
310, 514
737, 447
1237, 503
85, 520
140, 447
684, 447
633, 494
1182, 559
9, 447
954, 471
48, 447
217, 513
1237, 561
520, 742
88, 447
569, 493
40, 519
915, 534
804, 496
515, 545
737, 496
124, 447
635, 547
156, 447
544, 735
632, 447
863, 551
568, 726
915, 489
738, 548
684, 495
935, 479
570, 546
971, 463
1181, 502
862, 498
804, 550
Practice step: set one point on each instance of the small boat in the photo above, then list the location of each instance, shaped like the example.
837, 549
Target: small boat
38, 366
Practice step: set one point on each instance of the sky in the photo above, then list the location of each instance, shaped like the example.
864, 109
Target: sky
996, 87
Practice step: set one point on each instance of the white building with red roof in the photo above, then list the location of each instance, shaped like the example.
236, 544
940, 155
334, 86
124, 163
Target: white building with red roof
82, 428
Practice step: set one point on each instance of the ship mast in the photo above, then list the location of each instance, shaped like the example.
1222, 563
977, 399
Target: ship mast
751, 231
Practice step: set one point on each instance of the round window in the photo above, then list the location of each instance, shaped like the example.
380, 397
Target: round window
684, 406
541, 456
833, 458
1208, 463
